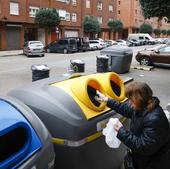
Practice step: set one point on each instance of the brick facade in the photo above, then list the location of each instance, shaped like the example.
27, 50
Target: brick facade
21, 22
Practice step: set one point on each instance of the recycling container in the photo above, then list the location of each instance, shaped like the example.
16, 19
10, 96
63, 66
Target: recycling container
120, 58
75, 119
102, 63
77, 65
24, 140
40, 71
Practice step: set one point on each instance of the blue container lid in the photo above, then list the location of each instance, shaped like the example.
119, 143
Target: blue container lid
18, 140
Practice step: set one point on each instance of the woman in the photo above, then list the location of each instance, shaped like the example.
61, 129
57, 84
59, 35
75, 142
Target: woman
149, 135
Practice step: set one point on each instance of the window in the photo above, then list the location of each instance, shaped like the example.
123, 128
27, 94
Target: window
165, 50
141, 37
110, 19
99, 6
74, 2
67, 1
67, 16
87, 3
62, 42
72, 41
74, 17
32, 11
91, 41
118, 11
62, 14
14, 8
54, 43
119, 3
110, 8
99, 18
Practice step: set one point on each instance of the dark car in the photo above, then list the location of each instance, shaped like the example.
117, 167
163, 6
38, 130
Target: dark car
82, 43
157, 54
62, 46
133, 42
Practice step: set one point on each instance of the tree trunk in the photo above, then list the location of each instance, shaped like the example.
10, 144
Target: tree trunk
159, 23
47, 36
116, 35
111, 35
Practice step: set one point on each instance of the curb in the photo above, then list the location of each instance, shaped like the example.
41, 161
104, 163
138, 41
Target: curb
16, 54
142, 67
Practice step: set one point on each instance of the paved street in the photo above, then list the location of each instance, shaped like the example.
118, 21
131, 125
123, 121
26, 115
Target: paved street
15, 71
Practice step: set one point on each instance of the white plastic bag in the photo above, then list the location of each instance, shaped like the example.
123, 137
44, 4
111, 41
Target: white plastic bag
111, 134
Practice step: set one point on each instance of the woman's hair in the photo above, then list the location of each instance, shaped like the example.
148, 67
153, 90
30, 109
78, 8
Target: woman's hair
141, 94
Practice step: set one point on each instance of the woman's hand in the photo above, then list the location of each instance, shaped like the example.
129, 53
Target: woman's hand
100, 97
118, 125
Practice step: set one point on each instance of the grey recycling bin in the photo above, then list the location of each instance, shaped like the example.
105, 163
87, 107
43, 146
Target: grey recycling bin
120, 58
25, 143
39, 71
102, 63
75, 119
77, 65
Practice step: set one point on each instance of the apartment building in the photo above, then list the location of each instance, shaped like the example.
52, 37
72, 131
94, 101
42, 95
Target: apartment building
130, 13
104, 11
17, 20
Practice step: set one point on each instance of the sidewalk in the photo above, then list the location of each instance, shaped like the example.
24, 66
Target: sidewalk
10, 53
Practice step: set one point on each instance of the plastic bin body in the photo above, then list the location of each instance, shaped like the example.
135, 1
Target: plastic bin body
25, 139
39, 72
120, 58
77, 137
102, 63
77, 65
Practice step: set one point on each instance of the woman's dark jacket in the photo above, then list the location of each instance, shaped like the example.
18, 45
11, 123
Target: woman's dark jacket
149, 135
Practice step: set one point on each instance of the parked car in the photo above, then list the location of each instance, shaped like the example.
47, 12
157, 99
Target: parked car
143, 38
167, 41
164, 40
110, 43
67, 45
121, 42
158, 54
93, 46
133, 42
159, 40
82, 43
97, 44
101, 41
33, 48
155, 47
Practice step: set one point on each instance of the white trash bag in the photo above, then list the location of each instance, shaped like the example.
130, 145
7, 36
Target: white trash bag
111, 134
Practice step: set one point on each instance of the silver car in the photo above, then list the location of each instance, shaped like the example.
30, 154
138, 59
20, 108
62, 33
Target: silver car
97, 44
33, 48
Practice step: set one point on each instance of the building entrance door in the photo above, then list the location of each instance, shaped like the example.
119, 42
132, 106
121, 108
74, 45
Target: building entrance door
13, 38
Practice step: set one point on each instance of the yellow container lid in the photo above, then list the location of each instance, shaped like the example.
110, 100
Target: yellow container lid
83, 90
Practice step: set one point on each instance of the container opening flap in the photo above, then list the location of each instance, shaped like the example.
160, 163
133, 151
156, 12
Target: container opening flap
12, 142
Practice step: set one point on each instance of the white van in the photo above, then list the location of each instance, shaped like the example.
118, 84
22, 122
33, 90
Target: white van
143, 38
